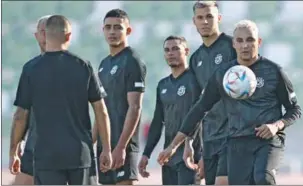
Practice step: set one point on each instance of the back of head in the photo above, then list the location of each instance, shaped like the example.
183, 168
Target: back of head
57, 29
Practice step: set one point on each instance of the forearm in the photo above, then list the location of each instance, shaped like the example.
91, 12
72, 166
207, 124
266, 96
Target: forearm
130, 125
154, 136
95, 133
18, 130
291, 115
103, 126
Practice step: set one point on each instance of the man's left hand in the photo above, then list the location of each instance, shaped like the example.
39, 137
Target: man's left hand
267, 131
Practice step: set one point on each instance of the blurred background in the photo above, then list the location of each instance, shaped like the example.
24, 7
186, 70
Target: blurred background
280, 24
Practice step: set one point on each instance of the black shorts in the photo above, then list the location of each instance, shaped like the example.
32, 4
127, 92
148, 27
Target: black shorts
253, 161
178, 175
215, 160
27, 163
80, 176
127, 172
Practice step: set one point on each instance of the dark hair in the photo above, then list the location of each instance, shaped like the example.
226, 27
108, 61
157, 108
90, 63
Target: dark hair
118, 13
203, 4
173, 37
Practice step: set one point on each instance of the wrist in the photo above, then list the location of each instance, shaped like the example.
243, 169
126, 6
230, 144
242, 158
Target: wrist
121, 147
279, 124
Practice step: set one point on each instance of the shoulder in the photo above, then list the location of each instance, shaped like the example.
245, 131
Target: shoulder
31, 63
227, 38
78, 59
269, 63
163, 81
134, 61
195, 53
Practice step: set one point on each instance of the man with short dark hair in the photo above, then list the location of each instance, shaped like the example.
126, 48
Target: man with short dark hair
58, 87
123, 76
25, 176
176, 94
216, 50
256, 124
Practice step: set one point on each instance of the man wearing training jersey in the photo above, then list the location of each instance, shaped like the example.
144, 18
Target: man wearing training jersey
216, 50
123, 75
176, 94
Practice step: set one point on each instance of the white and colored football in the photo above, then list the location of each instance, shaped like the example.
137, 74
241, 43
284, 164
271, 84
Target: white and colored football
239, 82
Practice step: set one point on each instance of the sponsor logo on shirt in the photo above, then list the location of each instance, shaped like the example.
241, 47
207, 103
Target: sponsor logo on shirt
199, 63
163, 91
120, 174
100, 70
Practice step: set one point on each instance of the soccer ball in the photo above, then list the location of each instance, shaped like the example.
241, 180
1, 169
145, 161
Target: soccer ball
239, 82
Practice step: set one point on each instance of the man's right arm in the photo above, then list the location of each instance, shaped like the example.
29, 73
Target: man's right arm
96, 93
155, 129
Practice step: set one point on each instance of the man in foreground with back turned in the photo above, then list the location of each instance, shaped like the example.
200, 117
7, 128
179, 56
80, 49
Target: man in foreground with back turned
25, 176
59, 100
256, 125
176, 94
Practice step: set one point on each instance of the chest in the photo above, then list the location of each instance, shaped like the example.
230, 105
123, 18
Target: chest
206, 62
112, 74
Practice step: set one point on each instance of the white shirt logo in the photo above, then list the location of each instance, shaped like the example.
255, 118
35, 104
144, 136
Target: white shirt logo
218, 59
100, 70
120, 174
114, 70
181, 90
199, 63
163, 91
139, 84
260, 82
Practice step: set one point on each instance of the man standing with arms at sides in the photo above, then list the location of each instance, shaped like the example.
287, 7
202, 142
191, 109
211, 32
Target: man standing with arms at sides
123, 76
59, 100
216, 50
176, 94
25, 176
256, 125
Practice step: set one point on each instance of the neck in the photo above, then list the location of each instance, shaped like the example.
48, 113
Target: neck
208, 41
52, 47
177, 71
247, 62
116, 50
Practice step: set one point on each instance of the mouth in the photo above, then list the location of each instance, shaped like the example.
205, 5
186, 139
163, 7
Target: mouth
112, 38
245, 52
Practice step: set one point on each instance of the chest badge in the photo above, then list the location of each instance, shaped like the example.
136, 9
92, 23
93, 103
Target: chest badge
163, 91
260, 82
181, 90
199, 63
113, 70
218, 59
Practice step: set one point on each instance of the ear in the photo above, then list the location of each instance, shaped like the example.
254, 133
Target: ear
128, 30
234, 43
68, 36
219, 18
187, 51
194, 20
36, 35
259, 42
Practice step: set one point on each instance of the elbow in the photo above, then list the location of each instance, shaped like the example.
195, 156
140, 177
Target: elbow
135, 108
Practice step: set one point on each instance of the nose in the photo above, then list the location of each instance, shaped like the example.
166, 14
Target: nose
204, 21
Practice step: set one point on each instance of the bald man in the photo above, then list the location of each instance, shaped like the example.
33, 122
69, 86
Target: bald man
25, 177
58, 87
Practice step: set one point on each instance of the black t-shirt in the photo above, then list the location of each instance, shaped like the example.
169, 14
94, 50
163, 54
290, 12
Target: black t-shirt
204, 61
121, 74
175, 97
273, 91
58, 87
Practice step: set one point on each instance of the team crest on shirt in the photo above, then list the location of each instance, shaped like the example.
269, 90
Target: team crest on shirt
260, 82
181, 90
199, 63
113, 70
218, 59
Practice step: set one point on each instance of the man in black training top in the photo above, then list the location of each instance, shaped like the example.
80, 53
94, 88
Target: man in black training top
256, 125
58, 88
176, 94
216, 50
123, 76
25, 176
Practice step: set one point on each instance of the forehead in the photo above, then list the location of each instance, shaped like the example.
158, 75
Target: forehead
172, 43
114, 21
206, 10
245, 33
